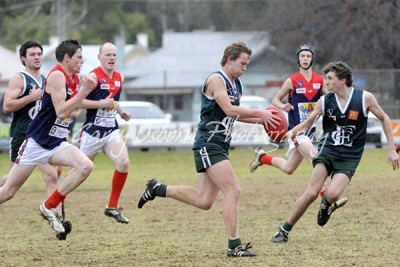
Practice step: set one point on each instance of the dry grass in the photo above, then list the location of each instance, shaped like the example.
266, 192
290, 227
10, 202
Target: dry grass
166, 233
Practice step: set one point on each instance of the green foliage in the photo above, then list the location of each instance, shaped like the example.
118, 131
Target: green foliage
26, 26
98, 22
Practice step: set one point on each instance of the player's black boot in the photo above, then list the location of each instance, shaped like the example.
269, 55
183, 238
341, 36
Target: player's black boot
68, 228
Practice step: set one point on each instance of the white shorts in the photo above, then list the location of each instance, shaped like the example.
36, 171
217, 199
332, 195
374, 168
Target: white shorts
31, 153
298, 140
91, 145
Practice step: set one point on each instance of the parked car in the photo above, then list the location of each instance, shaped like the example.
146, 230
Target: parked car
255, 102
150, 127
375, 134
146, 112
246, 134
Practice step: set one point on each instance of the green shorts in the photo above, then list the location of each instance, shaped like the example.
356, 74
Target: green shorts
205, 157
15, 143
334, 166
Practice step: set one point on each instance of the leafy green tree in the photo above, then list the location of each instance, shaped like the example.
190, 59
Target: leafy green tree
22, 27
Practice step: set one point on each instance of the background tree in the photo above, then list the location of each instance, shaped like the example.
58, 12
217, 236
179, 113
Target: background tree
363, 33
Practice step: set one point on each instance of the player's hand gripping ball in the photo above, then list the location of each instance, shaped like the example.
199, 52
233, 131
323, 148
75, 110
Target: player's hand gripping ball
279, 133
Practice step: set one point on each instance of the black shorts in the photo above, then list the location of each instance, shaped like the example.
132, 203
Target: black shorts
15, 143
205, 157
334, 166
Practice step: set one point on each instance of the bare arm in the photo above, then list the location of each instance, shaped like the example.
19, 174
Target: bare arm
373, 106
11, 101
124, 115
56, 87
108, 102
284, 91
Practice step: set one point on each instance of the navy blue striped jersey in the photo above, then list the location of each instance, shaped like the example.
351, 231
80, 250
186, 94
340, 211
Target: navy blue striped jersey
46, 128
101, 121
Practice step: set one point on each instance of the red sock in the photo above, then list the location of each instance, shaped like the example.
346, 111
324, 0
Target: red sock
266, 159
53, 201
118, 183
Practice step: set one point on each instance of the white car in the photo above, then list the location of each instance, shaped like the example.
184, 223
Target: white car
150, 126
144, 112
247, 134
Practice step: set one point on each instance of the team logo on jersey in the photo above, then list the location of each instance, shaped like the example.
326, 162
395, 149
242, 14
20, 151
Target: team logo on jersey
231, 98
342, 135
117, 84
105, 87
300, 84
305, 109
316, 86
330, 113
301, 90
353, 115
103, 80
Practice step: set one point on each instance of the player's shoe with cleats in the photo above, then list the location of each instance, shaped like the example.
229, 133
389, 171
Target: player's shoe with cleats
340, 203
280, 237
68, 228
150, 192
116, 214
241, 251
324, 213
51, 216
256, 161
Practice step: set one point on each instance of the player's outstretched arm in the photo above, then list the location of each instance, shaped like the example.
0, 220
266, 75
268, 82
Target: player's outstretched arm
373, 106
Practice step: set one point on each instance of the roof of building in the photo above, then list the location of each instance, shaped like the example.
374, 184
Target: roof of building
185, 59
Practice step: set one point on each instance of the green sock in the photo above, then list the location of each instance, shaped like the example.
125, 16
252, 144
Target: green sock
161, 190
233, 243
287, 227
325, 202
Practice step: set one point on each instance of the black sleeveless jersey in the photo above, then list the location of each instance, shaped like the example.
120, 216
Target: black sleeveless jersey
345, 128
215, 127
23, 117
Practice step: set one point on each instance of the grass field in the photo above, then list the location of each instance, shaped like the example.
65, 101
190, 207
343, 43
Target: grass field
365, 232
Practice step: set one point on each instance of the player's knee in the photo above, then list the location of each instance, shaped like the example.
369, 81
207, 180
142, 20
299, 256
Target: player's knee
234, 193
86, 168
123, 164
205, 205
